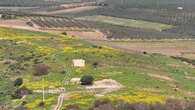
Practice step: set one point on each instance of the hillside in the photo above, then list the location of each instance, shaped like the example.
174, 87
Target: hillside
140, 77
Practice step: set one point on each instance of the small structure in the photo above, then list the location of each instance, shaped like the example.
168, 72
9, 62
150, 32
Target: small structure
75, 81
78, 62
180, 8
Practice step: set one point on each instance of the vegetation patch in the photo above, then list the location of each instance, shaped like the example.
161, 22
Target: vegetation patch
127, 22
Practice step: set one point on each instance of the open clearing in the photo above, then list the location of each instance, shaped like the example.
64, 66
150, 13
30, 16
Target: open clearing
88, 35
18, 24
127, 22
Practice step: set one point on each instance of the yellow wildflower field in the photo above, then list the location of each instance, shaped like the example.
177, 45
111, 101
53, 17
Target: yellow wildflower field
38, 84
34, 104
138, 97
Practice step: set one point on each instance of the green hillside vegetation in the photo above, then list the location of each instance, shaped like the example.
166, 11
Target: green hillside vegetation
127, 22
146, 77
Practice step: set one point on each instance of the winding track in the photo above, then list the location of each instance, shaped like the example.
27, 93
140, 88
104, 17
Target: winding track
60, 101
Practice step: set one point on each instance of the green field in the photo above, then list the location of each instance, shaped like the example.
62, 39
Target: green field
127, 22
20, 50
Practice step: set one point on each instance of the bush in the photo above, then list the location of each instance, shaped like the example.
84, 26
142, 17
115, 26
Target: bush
95, 64
6, 16
40, 69
18, 94
63, 71
64, 33
18, 82
30, 24
87, 80
41, 104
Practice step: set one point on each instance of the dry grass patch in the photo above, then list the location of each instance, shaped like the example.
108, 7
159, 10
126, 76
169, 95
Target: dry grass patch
162, 77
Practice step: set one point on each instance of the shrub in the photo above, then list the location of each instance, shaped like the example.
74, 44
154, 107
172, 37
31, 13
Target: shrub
95, 64
6, 16
18, 94
63, 71
40, 69
144, 52
18, 82
24, 103
87, 80
7, 62
30, 24
41, 104
64, 33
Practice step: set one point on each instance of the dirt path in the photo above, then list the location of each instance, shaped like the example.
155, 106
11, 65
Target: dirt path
18, 24
60, 101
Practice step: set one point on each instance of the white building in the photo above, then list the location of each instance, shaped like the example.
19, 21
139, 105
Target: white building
78, 62
180, 8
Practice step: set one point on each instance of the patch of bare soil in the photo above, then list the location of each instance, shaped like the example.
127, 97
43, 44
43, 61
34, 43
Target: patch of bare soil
108, 85
18, 24
173, 65
151, 90
50, 91
71, 10
190, 78
162, 77
88, 35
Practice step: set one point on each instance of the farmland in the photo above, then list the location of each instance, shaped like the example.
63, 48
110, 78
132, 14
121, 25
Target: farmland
127, 22
163, 12
56, 22
116, 19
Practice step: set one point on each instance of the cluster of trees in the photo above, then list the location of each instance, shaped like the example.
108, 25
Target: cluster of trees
166, 13
153, 4
121, 32
5, 16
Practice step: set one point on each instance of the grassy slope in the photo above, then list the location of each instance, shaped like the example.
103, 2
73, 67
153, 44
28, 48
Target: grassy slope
128, 22
25, 48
